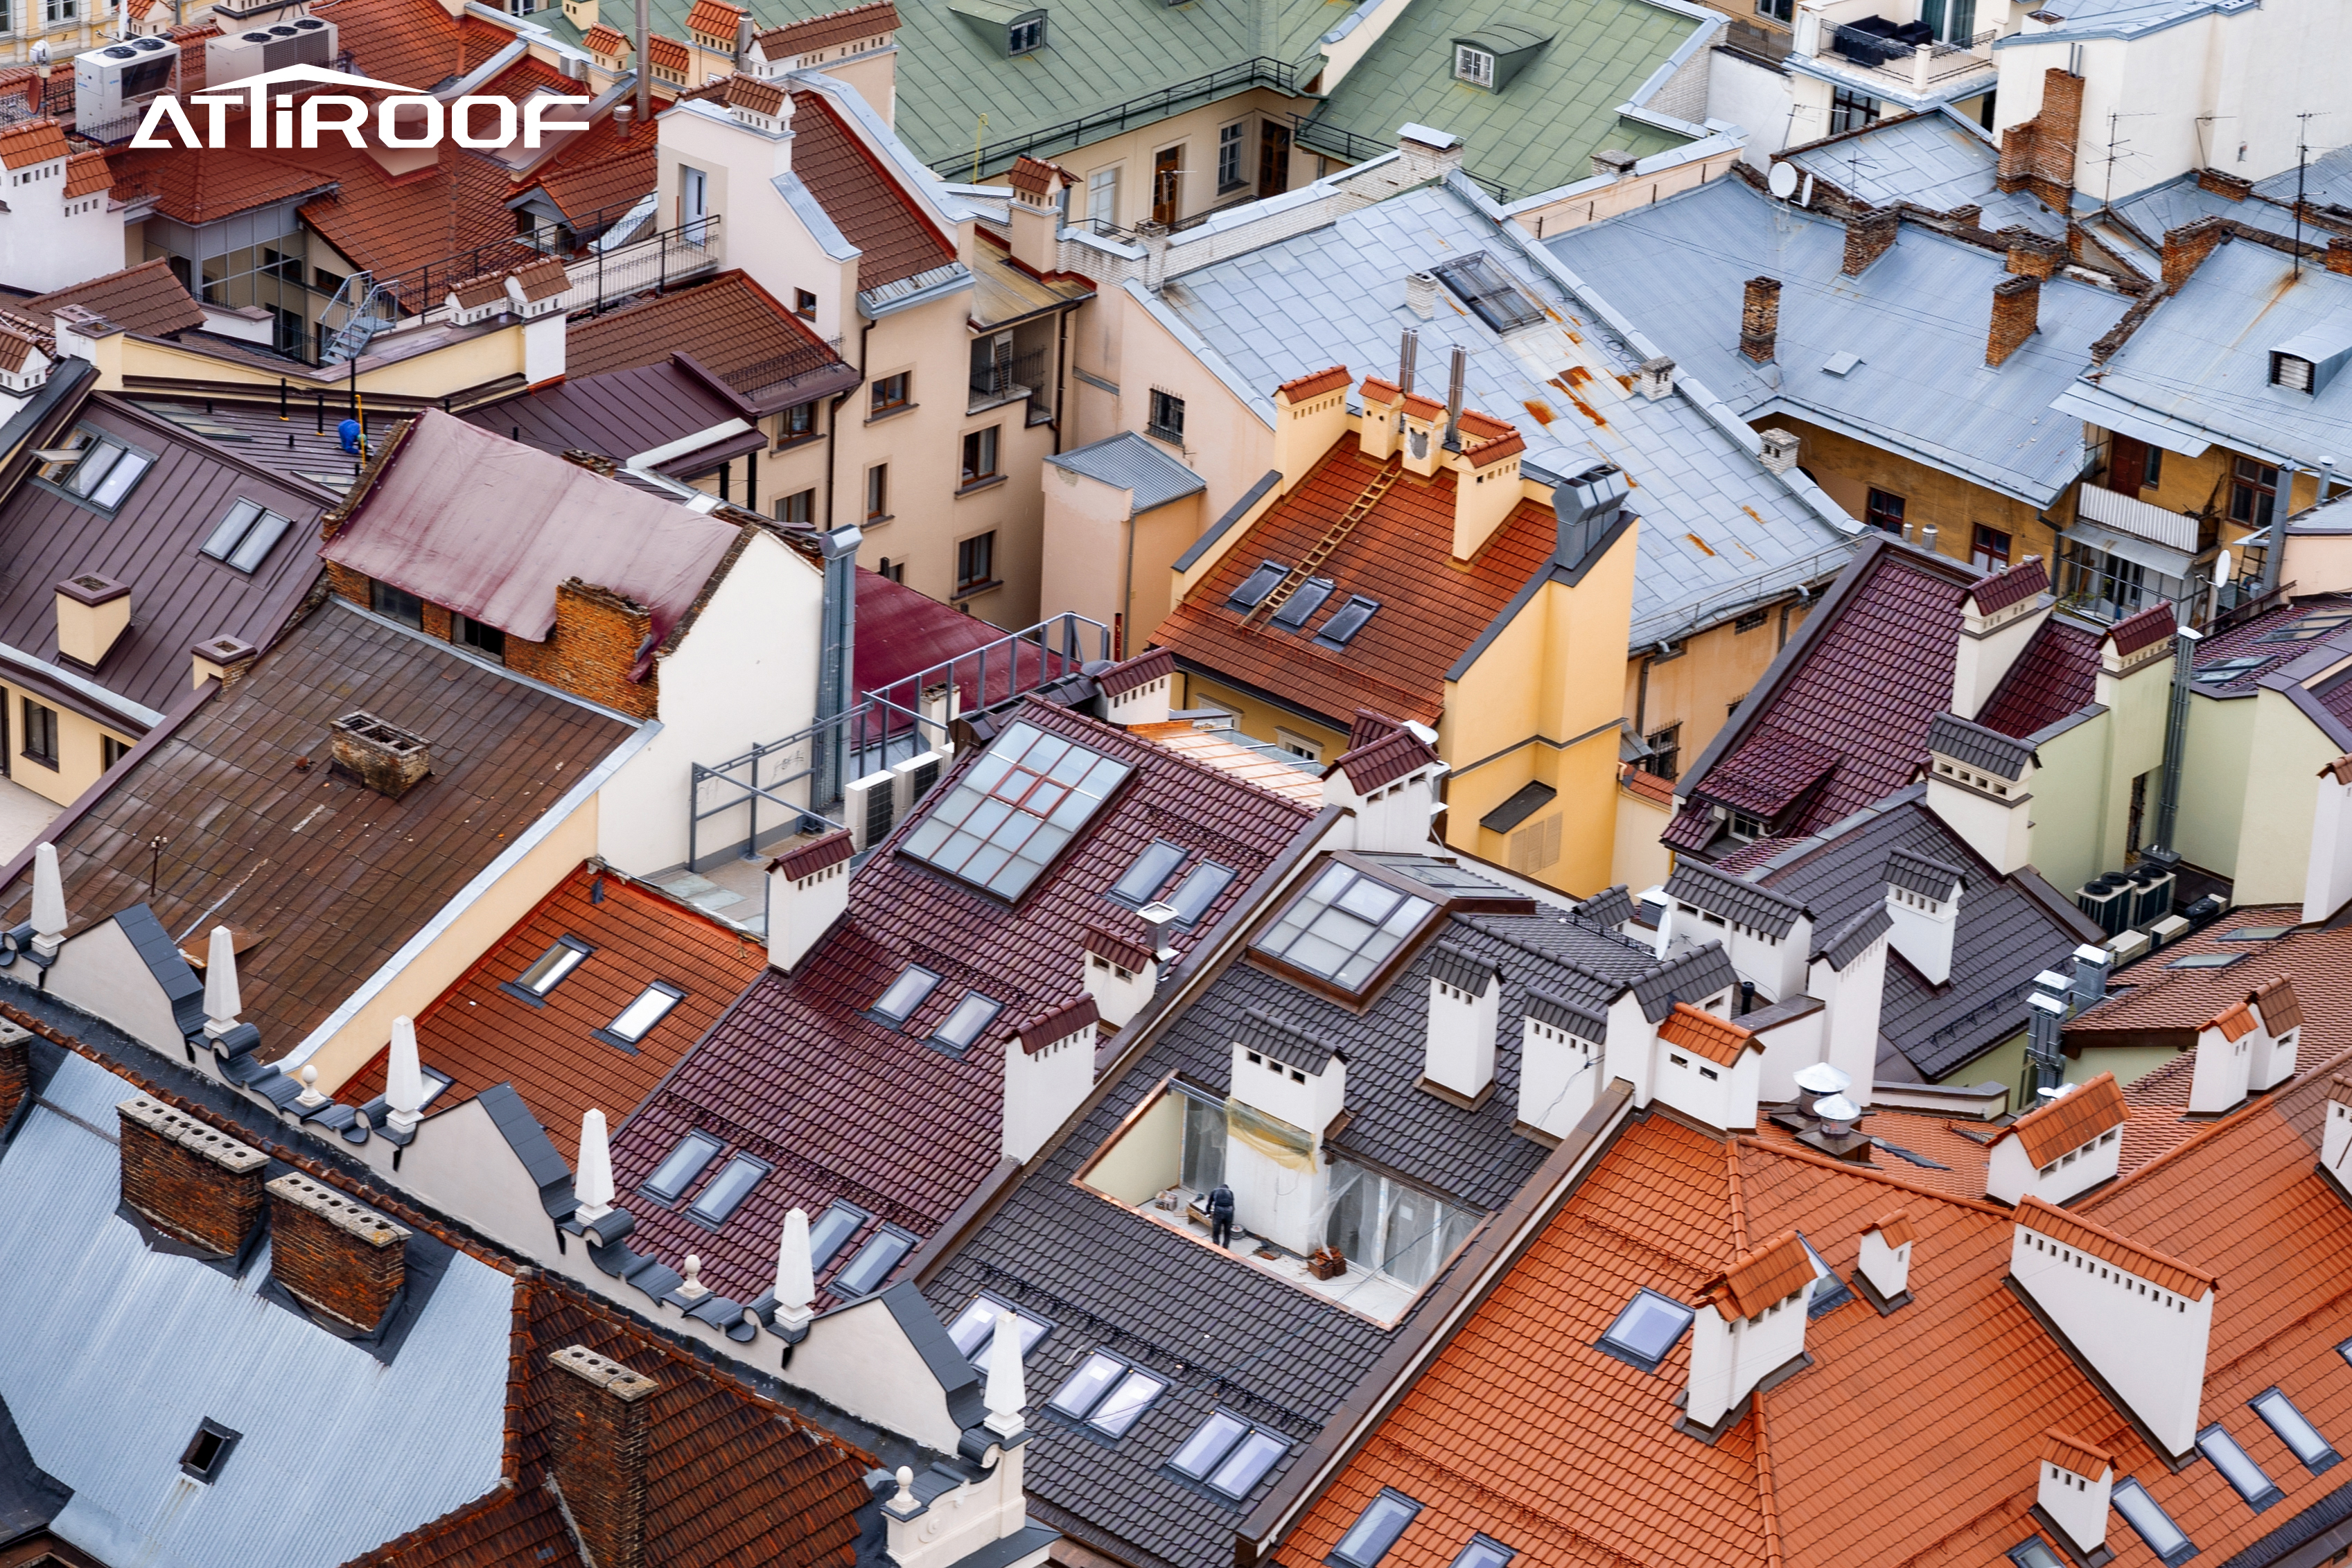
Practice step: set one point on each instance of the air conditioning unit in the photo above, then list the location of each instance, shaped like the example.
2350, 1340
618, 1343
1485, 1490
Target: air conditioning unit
233, 56
870, 807
115, 82
2155, 889
915, 778
2105, 901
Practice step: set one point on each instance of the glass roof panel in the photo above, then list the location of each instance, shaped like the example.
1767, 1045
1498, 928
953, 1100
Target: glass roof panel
1005, 820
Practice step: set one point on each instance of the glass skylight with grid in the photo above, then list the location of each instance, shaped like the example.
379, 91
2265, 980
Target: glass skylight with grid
1006, 820
1344, 927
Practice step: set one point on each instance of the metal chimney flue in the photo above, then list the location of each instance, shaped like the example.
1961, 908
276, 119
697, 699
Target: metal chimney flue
1455, 378
1408, 351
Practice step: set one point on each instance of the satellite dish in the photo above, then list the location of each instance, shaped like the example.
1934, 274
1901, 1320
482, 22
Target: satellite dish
2221, 567
1782, 180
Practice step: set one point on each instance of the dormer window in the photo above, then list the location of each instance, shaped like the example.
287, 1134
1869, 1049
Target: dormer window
1026, 37
1473, 65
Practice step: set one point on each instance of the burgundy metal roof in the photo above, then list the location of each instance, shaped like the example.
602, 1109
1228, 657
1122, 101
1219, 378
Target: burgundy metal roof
489, 527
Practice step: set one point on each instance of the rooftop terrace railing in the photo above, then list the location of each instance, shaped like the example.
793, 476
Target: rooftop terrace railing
993, 156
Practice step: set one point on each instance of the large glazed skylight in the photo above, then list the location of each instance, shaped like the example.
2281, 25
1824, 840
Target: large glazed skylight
1344, 927
1011, 815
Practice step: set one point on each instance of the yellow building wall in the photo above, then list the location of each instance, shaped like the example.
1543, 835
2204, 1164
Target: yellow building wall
2282, 767
1260, 719
2213, 784
435, 372
2072, 793
1849, 470
1699, 687
81, 755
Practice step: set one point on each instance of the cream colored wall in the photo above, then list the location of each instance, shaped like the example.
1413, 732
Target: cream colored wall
1102, 563
1640, 861
759, 234
435, 372
1624, 196
1257, 717
1195, 130
99, 971
2213, 784
1699, 687
2140, 707
2072, 792
1147, 1157
78, 762
2273, 848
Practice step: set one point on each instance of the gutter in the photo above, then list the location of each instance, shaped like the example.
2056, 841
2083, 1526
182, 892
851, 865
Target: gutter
82, 686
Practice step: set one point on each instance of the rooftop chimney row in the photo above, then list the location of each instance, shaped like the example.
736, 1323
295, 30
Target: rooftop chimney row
190, 1181
336, 1254
1869, 236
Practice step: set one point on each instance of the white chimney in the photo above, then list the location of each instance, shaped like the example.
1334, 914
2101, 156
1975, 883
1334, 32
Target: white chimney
1136, 691
1391, 786
48, 905
1750, 1323
1981, 784
1885, 1257
2140, 1320
1464, 998
1709, 1067
2335, 1136
222, 999
795, 1278
1848, 974
2280, 1012
1767, 936
2076, 1481
1559, 1064
2066, 1148
404, 1086
1923, 904
1999, 616
1118, 974
1049, 1067
1781, 449
1286, 1088
2227, 1046
808, 890
2327, 880
1656, 377
593, 1183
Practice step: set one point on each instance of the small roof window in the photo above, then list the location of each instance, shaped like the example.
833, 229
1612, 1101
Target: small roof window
1300, 607
727, 1189
1107, 1394
906, 993
2205, 961
2257, 933
1258, 584
874, 1262
686, 1163
2230, 669
207, 1451
2154, 1526
99, 472
1346, 622
1484, 1551
1490, 292
1228, 1454
832, 1232
2035, 1553
965, 1024
1376, 1530
1149, 873
1013, 811
975, 1326
1344, 926
550, 969
2299, 1435
245, 536
1199, 890
2238, 1467
638, 1020
1647, 1330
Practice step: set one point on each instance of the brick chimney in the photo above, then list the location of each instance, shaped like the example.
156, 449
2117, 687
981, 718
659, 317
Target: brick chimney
2016, 316
336, 1254
1781, 449
2227, 186
385, 757
1869, 234
603, 1425
191, 1181
2186, 248
1464, 997
808, 890
16, 1068
2038, 154
2030, 255
2339, 254
1760, 319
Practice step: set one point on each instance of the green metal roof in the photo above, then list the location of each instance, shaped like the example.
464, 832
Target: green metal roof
1541, 130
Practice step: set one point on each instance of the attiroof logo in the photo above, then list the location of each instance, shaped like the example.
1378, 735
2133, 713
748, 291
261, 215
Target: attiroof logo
407, 118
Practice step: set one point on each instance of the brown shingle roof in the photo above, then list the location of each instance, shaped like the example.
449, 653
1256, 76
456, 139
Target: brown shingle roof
815, 855
832, 28
1715, 1039
862, 197
731, 326
145, 298
749, 92
1773, 1273
2073, 1230
2069, 1121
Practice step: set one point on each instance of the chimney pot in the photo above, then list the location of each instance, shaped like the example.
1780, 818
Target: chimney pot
15, 1068
334, 1254
1613, 164
2016, 310
2339, 254
1583, 507
1657, 377
1760, 319
384, 756
1781, 447
222, 659
808, 890
1869, 234
2185, 248
93, 612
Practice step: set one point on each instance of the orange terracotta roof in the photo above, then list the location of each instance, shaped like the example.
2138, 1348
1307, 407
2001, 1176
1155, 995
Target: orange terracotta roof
2069, 1452
829, 30
31, 143
87, 173
1486, 427
1647, 785
598, 171
1298, 388
1379, 393
1421, 407
1893, 1228
862, 197
2340, 770
145, 298
2280, 1009
1718, 1040
749, 92
667, 53
1773, 1273
2073, 1230
482, 1035
2235, 1023
472, 293
1487, 453
600, 39
416, 43
2339, 1089
196, 187
716, 19
2072, 1120
1034, 177
543, 279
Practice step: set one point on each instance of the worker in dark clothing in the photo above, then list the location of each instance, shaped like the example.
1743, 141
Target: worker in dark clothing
1221, 1215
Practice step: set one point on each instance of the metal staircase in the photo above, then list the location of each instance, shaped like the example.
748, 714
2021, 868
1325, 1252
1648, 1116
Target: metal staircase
1332, 537
361, 309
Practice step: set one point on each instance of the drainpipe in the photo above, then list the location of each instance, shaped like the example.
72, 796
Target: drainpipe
832, 425
2274, 557
2176, 735
836, 662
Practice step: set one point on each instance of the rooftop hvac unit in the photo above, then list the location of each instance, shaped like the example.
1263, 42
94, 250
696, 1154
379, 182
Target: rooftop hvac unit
914, 779
233, 56
115, 82
2106, 902
2154, 886
869, 806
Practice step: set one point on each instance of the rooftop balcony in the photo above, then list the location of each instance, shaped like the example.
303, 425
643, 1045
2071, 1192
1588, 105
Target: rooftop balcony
1917, 53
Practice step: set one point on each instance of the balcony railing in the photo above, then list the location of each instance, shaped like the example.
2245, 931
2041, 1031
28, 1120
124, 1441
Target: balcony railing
1912, 68
1007, 380
1144, 110
1337, 141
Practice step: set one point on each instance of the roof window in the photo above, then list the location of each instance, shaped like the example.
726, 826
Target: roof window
727, 1189
1198, 890
1475, 66
2205, 961
1300, 607
975, 1326
2035, 1553
1108, 1394
1149, 872
2230, 669
874, 1262
1484, 1551
1228, 1454
2257, 933
1376, 1530
1342, 927
97, 471
1258, 584
686, 1163
965, 1024
2154, 1526
2292, 372
1346, 622
832, 1232
1647, 1330
1015, 809
207, 1451
549, 970
1026, 35
2238, 1467
638, 1020
2299, 1435
246, 534
1490, 292
906, 993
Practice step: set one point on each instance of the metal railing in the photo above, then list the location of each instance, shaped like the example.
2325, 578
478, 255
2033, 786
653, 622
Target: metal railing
1312, 133
993, 156
1003, 379
1904, 64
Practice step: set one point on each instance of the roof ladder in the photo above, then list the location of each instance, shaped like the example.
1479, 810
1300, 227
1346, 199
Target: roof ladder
1332, 537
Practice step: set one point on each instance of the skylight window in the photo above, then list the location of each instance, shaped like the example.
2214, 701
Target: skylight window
2154, 1526
549, 970
2205, 961
1300, 607
1198, 890
975, 1327
2230, 669
874, 1262
1376, 1530
207, 1451
832, 1232
2035, 1553
1008, 817
2300, 1436
727, 1189
101, 474
1490, 292
1258, 584
963, 1025
2257, 933
1342, 928
1229, 1455
1108, 1394
1149, 872
688, 1161
638, 1020
906, 993
2238, 1467
1647, 1330
1346, 622
1483, 1553
245, 536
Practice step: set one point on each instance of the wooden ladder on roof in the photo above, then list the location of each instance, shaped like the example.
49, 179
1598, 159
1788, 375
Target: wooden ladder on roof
1357, 512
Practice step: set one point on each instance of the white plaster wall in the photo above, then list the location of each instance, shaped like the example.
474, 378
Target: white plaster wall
1630, 1051
1853, 1000
1713, 1093
47, 241
858, 1358
1042, 1087
2223, 1068
1269, 1086
1559, 1077
2148, 1343
1788, 1048
99, 971
1460, 1054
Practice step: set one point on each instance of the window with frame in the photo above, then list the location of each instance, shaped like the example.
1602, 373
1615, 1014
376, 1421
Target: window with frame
1852, 111
1989, 548
1376, 1530
487, 641
40, 743
980, 456
1884, 511
1781, 11
2238, 1467
1229, 157
831, 1231
1751, 622
878, 492
111, 751
965, 1022
803, 304
1485, 1551
905, 995
1014, 810
796, 423
245, 536
2035, 1553
636, 1020
1106, 1395
1647, 1331
1229, 1455
681, 1167
890, 392
1346, 622
1026, 37
207, 1451
2166, 1539
975, 1327
97, 471
1665, 752
1102, 198
60, 10
1167, 417
1198, 890
1403, 1232
1473, 65
2253, 493
1258, 584
549, 970
2302, 1439
1141, 881
976, 563
800, 506
396, 605
1344, 927
727, 1189
866, 1272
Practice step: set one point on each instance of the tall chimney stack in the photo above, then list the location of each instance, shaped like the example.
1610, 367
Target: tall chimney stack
333, 1253
1868, 236
2016, 311
1760, 319
603, 1421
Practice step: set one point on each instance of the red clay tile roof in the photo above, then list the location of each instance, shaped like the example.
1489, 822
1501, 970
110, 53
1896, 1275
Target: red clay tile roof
482, 1035
1057, 1023
1715, 1039
196, 188
667, 53
843, 26
734, 328
1773, 1273
2010, 585
2280, 1009
862, 197
2056, 676
2072, 1120
1648, 785
2149, 627
846, 1108
815, 855
2235, 1023
1033, 177
2082, 1234
1384, 761
749, 92
2270, 637
88, 173
507, 1525
1141, 669
715, 18
2339, 1090
1895, 1229
2339, 771
600, 39
1301, 388
416, 43
1367, 727
2070, 1453
33, 141
1400, 555
903, 633
1124, 951
1381, 394
144, 298
474, 292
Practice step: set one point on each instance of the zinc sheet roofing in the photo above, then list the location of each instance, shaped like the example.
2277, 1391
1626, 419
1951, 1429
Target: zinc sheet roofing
1132, 462
1718, 528
117, 1353
1939, 160
1917, 319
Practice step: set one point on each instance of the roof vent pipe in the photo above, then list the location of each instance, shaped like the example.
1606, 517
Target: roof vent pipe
1408, 354
1454, 398
1818, 1082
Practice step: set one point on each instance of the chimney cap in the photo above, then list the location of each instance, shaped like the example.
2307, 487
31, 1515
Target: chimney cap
343, 1212
1836, 1108
93, 587
1821, 1078
615, 1379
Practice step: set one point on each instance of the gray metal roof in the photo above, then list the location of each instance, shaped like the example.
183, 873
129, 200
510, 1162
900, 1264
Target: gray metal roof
2327, 181
2126, 18
1719, 531
1917, 320
1717, 892
116, 1354
1987, 750
1939, 160
1133, 462
2197, 372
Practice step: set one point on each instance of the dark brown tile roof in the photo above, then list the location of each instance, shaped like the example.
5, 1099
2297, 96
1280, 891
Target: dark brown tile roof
862, 197
1400, 555
151, 542
615, 413
2275, 637
846, 1108
1384, 761
2150, 626
731, 326
844, 26
815, 855
2056, 676
144, 298
1998, 591
510, 1527
330, 877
